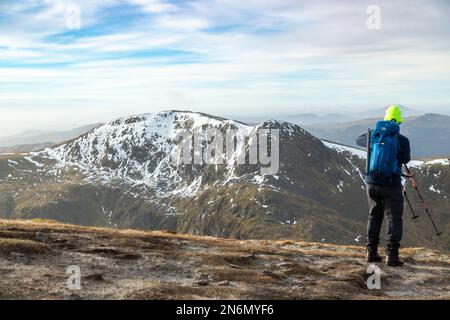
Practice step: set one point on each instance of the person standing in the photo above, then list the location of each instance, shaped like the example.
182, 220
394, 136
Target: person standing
388, 151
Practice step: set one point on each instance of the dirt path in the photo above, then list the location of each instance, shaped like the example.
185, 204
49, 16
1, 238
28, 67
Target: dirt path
130, 264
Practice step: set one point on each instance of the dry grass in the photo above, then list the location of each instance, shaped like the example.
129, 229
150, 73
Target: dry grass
286, 242
158, 291
242, 275
298, 270
139, 264
224, 258
46, 221
7, 246
331, 253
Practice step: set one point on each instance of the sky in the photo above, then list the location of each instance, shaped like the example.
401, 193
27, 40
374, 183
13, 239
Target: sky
68, 63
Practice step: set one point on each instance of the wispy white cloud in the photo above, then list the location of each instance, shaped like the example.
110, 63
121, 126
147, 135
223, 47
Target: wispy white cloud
154, 6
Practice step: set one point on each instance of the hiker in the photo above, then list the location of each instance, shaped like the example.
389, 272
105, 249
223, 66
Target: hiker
388, 150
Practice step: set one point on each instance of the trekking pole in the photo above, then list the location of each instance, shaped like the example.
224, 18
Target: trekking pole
414, 216
413, 182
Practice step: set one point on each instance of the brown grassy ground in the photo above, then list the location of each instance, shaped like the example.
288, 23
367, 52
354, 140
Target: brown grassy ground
133, 264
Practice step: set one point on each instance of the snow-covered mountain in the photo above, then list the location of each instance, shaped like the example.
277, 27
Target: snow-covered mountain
146, 150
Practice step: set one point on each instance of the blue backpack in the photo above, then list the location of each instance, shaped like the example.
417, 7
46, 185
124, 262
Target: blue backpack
384, 147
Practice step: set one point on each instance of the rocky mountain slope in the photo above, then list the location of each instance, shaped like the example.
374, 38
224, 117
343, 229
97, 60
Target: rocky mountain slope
131, 264
122, 174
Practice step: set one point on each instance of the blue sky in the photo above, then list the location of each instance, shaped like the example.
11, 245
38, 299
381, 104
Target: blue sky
222, 57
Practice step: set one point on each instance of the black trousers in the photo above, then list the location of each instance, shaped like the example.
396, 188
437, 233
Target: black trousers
385, 200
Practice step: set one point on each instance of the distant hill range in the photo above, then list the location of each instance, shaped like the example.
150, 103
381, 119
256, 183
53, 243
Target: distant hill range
304, 119
33, 140
429, 134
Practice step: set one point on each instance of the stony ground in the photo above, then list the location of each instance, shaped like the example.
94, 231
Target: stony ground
131, 264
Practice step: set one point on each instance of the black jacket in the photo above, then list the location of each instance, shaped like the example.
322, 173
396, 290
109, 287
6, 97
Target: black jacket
403, 156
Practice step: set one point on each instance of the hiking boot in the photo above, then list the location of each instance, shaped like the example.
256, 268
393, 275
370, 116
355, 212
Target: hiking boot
372, 255
394, 261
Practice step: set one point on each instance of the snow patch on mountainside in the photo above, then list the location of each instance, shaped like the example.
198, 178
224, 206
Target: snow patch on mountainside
418, 163
345, 149
37, 164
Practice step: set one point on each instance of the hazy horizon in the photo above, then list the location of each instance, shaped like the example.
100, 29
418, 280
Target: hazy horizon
65, 64
38, 130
